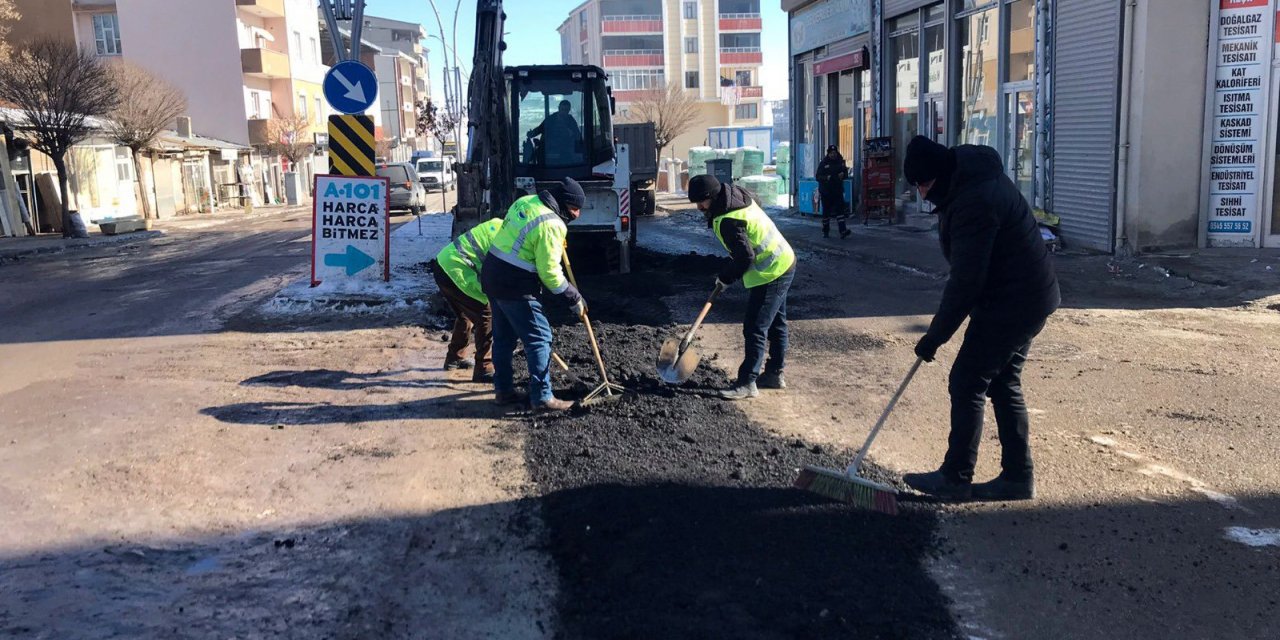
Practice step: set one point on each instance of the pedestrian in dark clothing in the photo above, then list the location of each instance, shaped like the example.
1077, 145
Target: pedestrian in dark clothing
762, 259
832, 172
1002, 279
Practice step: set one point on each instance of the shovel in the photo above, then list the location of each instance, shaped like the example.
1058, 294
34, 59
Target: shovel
677, 360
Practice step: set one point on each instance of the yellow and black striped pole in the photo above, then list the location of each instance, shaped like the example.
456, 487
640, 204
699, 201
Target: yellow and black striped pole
351, 145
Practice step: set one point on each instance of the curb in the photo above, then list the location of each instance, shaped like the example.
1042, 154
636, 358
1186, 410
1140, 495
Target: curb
73, 244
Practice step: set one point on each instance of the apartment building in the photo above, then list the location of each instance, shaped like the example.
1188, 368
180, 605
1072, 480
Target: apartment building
403, 79
711, 48
239, 62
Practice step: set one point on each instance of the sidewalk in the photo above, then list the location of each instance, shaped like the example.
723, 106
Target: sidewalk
1193, 278
15, 248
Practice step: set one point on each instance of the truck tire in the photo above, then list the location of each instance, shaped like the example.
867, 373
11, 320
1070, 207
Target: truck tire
635, 225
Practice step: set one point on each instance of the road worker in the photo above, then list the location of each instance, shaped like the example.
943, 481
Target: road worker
523, 260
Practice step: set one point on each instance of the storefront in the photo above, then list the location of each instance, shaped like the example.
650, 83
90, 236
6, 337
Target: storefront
831, 84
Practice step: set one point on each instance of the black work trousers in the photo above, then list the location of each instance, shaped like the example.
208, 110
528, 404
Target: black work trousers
765, 323
989, 365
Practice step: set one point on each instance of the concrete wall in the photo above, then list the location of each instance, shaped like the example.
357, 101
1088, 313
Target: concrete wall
1167, 123
42, 18
210, 74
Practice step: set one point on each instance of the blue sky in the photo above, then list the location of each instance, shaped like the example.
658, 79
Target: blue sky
532, 37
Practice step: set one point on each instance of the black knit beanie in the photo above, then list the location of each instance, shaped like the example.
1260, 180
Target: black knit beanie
927, 160
703, 187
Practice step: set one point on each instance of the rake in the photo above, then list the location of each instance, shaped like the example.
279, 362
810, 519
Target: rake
607, 391
847, 486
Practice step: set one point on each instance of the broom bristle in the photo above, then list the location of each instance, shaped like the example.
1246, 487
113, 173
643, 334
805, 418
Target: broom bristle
852, 490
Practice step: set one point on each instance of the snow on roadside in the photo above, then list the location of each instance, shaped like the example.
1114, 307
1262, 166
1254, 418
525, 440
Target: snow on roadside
413, 244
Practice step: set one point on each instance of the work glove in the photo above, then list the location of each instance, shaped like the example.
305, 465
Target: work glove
927, 348
580, 308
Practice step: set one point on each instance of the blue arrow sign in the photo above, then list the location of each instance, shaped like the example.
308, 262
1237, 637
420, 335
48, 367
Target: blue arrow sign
350, 87
354, 260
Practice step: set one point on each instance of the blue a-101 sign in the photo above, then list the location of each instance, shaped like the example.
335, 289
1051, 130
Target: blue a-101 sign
350, 238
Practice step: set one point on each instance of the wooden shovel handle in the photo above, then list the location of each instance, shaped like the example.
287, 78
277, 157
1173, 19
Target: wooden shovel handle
706, 308
559, 361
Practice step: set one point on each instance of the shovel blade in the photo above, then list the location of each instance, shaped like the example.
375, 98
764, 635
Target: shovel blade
682, 369
669, 353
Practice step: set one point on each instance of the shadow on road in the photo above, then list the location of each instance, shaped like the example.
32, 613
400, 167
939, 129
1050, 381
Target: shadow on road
346, 380
475, 403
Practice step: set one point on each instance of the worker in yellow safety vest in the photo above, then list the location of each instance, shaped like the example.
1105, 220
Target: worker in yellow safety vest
457, 273
523, 260
762, 259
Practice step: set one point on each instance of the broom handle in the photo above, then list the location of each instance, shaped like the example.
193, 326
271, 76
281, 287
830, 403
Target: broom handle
862, 453
586, 322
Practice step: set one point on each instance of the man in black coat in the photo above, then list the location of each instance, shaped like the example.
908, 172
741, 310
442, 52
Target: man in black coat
831, 174
1002, 279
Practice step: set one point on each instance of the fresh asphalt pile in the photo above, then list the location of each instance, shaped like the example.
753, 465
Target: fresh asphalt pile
670, 515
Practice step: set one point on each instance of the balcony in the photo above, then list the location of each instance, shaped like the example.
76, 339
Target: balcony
751, 92
637, 25
741, 55
264, 63
740, 22
629, 96
615, 58
262, 8
257, 131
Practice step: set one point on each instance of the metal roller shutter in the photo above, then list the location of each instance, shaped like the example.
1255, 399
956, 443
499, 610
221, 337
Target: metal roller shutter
895, 8
1085, 113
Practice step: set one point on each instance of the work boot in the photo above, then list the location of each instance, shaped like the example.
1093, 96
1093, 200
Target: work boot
554, 405
845, 233
459, 364
482, 377
938, 485
511, 397
771, 380
739, 392
1001, 489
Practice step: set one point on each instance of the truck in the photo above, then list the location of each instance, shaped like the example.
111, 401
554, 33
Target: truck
642, 141
530, 126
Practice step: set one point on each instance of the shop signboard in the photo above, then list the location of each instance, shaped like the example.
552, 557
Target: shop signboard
1238, 149
828, 21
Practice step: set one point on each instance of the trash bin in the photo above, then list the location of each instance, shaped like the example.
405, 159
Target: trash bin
721, 169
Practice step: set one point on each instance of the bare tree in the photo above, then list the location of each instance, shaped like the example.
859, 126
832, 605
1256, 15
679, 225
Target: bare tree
441, 125
148, 105
672, 110
290, 136
8, 13
58, 87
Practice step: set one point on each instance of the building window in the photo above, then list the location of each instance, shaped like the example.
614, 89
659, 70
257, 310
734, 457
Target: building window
582, 20
256, 101
691, 45
637, 79
302, 105
297, 44
319, 109
742, 78
979, 89
690, 10
106, 34
748, 111
691, 79
124, 165
315, 51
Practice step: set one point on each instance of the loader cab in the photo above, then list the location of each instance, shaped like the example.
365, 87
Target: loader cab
561, 121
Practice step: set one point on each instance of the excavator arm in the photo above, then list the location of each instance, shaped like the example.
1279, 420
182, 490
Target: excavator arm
485, 182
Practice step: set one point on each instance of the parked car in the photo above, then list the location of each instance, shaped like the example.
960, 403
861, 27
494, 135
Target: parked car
407, 192
437, 173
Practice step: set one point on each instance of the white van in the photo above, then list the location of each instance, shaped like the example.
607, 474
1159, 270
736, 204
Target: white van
437, 173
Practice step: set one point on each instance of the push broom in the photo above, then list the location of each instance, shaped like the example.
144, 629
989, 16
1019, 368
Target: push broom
847, 486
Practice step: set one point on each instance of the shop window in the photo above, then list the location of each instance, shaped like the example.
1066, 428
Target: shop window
691, 79
1021, 154
845, 99
748, 111
979, 91
904, 94
1022, 40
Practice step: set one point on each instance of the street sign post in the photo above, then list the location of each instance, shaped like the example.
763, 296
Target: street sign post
350, 229
351, 146
350, 87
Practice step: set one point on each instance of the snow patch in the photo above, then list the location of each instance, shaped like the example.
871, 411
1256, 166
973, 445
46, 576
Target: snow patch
1256, 538
413, 244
